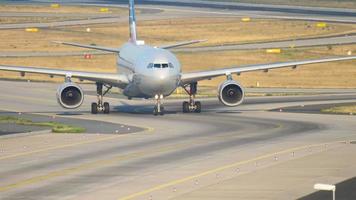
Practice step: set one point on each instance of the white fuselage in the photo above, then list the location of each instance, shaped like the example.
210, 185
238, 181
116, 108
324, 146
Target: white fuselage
151, 71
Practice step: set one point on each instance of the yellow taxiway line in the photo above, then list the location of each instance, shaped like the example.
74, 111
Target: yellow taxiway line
219, 169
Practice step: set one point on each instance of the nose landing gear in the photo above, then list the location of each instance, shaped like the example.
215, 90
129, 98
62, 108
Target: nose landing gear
192, 105
158, 109
101, 106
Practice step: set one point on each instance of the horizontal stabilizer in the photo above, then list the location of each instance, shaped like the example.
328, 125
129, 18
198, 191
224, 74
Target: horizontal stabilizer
185, 43
107, 49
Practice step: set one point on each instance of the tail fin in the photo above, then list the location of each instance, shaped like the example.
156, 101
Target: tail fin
132, 21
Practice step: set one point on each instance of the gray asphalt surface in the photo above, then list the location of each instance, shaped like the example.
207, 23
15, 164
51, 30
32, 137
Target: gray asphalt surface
338, 40
212, 104
255, 10
316, 109
61, 23
345, 191
222, 6
49, 54
176, 146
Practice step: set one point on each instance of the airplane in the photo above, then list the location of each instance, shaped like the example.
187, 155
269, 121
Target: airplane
145, 71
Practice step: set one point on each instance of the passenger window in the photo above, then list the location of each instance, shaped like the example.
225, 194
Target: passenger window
171, 65
157, 65
164, 65
150, 66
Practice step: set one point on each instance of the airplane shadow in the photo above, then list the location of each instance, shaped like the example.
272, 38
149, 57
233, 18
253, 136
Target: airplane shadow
128, 109
142, 110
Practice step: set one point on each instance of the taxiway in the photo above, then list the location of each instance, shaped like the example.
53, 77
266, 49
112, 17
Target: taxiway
181, 156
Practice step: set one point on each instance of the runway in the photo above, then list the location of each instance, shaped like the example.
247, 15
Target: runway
176, 156
342, 15
298, 43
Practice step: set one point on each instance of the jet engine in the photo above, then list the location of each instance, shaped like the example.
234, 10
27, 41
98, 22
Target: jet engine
70, 95
231, 93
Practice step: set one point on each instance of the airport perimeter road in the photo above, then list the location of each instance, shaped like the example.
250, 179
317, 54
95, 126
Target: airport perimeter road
337, 40
239, 9
182, 156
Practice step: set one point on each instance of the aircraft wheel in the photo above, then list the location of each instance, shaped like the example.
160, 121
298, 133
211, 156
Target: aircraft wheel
185, 107
106, 108
155, 111
162, 111
197, 107
94, 108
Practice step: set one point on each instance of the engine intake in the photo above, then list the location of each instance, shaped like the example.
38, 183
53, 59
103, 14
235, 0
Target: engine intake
70, 95
231, 93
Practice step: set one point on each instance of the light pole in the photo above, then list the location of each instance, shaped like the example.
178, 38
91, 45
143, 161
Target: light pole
325, 187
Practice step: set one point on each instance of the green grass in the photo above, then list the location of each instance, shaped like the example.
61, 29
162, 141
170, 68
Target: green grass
350, 110
55, 126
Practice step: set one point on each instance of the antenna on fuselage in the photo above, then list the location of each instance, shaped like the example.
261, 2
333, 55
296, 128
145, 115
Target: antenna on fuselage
132, 21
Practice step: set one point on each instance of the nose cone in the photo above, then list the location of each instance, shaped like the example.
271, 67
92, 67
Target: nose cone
161, 83
163, 80
162, 75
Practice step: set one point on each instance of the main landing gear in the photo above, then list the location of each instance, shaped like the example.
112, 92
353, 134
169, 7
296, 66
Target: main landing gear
101, 106
158, 109
192, 105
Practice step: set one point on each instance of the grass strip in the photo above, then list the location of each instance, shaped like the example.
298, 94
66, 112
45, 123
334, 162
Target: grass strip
55, 126
351, 109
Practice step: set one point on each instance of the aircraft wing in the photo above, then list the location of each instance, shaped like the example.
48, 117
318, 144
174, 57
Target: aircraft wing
108, 78
171, 46
191, 77
107, 49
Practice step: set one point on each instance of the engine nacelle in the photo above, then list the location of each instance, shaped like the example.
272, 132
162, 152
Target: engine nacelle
231, 93
70, 95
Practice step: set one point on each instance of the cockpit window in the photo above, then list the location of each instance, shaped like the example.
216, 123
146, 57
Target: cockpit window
160, 66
